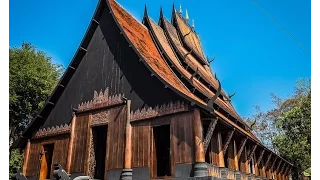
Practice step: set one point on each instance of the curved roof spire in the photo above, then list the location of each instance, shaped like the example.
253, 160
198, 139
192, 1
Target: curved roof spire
180, 11
193, 25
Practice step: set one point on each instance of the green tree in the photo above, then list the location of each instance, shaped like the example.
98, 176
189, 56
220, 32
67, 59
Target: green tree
32, 77
286, 128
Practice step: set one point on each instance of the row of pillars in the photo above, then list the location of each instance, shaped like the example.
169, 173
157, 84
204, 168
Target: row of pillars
200, 168
218, 151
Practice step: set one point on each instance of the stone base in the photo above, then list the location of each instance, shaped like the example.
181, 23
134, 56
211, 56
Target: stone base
200, 169
126, 174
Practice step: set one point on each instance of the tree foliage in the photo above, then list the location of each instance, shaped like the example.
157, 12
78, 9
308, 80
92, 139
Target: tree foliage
286, 129
32, 77
15, 162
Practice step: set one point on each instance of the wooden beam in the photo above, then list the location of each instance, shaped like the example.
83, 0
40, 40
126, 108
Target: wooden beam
274, 162
211, 128
228, 139
71, 139
268, 160
95, 21
128, 145
279, 165
260, 157
26, 158
198, 137
83, 49
282, 169
242, 145
287, 169
252, 152
51, 103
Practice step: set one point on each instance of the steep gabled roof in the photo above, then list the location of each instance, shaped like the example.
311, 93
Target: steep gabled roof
192, 62
166, 48
188, 35
69, 72
142, 42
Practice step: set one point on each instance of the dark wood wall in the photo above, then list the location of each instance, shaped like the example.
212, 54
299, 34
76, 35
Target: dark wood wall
182, 138
60, 152
141, 145
80, 143
109, 63
116, 138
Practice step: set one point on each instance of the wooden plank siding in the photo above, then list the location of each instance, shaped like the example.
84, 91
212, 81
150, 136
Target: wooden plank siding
116, 138
182, 138
181, 145
80, 145
141, 146
60, 152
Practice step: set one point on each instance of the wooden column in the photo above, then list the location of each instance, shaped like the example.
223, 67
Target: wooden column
220, 147
26, 158
217, 153
263, 169
268, 173
256, 169
200, 168
244, 164
127, 171
198, 136
236, 158
68, 166
231, 156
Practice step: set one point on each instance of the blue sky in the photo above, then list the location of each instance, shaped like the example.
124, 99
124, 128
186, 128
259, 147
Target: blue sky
253, 56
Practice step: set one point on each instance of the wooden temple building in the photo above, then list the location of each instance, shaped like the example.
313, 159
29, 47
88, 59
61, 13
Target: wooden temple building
139, 101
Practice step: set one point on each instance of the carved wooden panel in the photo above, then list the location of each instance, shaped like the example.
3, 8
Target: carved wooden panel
252, 152
208, 137
227, 142
52, 131
165, 109
268, 160
100, 118
242, 145
260, 157
101, 99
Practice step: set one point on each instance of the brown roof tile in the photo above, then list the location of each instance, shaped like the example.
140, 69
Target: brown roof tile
172, 33
165, 46
140, 38
191, 39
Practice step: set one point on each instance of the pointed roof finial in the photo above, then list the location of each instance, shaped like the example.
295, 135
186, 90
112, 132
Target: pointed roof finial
145, 10
187, 16
192, 23
180, 12
161, 12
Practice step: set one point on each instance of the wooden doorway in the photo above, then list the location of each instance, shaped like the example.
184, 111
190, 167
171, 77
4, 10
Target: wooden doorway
100, 147
46, 161
161, 151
